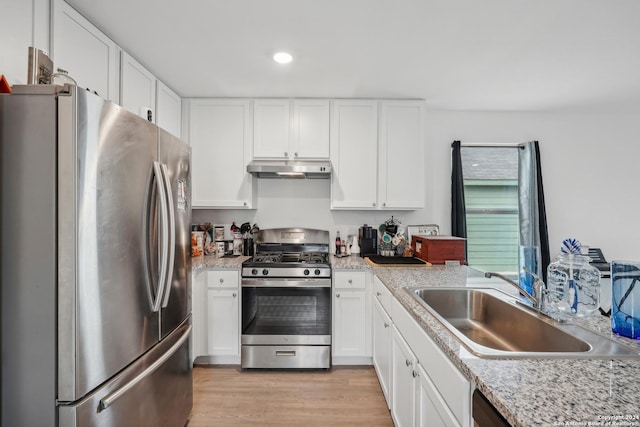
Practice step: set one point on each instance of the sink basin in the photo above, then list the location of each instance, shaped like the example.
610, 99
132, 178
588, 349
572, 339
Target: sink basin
490, 324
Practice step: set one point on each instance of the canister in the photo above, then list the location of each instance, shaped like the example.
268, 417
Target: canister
197, 243
220, 249
218, 233
237, 246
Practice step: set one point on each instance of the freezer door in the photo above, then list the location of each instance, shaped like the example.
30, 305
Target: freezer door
155, 391
175, 156
106, 211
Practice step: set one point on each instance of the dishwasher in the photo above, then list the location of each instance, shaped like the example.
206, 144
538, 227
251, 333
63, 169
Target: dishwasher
484, 414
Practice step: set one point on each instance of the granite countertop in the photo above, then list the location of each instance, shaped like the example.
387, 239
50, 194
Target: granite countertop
212, 261
530, 392
352, 262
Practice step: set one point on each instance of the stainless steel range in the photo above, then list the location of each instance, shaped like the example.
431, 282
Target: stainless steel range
286, 300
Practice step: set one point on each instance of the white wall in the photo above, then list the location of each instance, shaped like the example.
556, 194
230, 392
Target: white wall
24, 23
589, 165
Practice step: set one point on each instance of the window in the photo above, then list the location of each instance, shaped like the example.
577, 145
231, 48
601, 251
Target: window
491, 200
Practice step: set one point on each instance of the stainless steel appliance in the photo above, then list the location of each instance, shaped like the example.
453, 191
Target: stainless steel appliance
286, 300
484, 413
96, 293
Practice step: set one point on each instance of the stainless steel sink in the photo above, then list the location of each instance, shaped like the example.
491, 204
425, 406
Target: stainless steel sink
490, 324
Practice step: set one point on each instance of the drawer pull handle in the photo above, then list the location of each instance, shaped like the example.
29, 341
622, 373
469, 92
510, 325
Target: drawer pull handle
408, 362
285, 353
415, 374
350, 280
235, 294
337, 295
378, 294
386, 325
221, 280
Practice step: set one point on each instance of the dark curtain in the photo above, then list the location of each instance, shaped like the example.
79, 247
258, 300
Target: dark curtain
458, 211
533, 216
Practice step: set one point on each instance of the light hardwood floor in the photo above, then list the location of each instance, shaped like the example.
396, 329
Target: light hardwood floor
342, 396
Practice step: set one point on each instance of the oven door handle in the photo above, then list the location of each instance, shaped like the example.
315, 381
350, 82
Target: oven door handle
285, 283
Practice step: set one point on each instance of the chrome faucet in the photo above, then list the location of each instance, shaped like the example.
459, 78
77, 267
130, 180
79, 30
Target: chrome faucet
539, 291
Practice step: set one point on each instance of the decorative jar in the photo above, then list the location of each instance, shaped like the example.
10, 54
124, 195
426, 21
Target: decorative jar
574, 286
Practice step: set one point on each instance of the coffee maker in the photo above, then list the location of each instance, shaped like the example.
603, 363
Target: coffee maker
368, 240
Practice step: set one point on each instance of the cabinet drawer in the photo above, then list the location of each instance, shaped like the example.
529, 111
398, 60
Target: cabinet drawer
382, 294
349, 280
222, 279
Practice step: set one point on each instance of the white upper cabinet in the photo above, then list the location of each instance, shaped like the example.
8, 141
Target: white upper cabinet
310, 124
377, 154
137, 88
291, 129
401, 158
168, 109
354, 154
89, 56
271, 128
219, 131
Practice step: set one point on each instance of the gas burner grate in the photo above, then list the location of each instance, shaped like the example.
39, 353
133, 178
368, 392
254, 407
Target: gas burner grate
314, 258
268, 257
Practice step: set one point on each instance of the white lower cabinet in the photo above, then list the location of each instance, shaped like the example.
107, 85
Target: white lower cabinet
223, 308
382, 348
403, 374
351, 313
199, 314
431, 409
422, 386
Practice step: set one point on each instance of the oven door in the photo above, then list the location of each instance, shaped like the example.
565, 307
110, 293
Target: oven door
286, 326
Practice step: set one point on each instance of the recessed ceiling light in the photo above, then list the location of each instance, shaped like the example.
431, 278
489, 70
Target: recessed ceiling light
282, 57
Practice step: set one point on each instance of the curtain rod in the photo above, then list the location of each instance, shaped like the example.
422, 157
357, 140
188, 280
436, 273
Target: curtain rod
481, 145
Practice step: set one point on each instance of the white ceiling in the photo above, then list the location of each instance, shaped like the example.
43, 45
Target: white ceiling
535, 55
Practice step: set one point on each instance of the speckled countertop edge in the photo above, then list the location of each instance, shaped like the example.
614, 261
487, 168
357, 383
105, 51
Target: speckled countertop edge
211, 261
530, 392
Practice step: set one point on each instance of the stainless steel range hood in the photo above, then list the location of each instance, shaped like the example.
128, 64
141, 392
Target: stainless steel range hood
290, 169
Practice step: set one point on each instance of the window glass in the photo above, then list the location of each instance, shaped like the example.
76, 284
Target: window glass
491, 200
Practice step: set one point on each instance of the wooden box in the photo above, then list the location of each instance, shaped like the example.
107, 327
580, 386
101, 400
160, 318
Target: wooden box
438, 249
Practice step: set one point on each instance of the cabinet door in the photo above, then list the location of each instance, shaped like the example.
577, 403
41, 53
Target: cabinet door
350, 322
431, 409
403, 388
89, 56
382, 348
220, 137
271, 127
354, 130
137, 88
402, 162
168, 109
224, 322
199, 314
310, 129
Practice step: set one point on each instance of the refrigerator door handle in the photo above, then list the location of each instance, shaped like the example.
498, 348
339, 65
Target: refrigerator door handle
112, 397
164, 243
172, 236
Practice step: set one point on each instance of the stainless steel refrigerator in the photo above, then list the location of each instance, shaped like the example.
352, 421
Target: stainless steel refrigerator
96, 288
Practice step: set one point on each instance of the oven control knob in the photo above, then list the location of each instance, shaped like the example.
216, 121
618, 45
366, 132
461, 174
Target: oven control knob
317, 272
265, 272
306, 271
254, 271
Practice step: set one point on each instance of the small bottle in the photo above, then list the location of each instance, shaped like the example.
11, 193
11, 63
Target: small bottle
343, 248
338, 243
